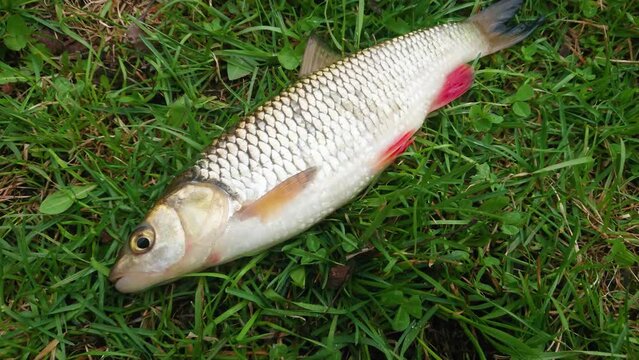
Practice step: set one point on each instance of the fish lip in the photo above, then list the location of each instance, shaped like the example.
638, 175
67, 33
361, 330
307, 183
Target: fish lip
131, 282
114, 276
118, 280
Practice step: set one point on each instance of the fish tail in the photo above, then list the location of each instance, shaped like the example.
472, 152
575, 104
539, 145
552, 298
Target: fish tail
491, 22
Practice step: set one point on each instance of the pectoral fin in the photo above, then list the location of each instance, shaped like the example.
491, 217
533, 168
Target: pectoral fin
271, 203
316, 56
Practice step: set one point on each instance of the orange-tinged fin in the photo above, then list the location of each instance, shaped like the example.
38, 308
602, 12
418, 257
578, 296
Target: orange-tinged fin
272, 202
492, 23
317, 55
457, 83
394, 150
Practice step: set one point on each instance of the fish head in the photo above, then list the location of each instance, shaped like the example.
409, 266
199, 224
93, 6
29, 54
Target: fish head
175, 238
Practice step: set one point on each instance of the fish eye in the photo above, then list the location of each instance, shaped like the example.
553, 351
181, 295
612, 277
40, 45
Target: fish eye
142, 240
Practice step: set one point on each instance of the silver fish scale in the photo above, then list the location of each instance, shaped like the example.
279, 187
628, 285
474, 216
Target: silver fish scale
331, 116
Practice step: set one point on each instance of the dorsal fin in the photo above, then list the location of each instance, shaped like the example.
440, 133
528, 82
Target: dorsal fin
317, 55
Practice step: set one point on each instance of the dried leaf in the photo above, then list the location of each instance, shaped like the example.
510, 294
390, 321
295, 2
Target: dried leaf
47, 349
338, 275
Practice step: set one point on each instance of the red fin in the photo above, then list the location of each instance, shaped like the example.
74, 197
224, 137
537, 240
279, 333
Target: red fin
271, 202
457, 83
395, 149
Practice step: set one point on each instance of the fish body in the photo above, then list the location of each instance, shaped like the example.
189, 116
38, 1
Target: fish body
309, 150
339, 121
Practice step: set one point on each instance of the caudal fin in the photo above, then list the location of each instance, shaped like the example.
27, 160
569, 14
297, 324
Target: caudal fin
492, 23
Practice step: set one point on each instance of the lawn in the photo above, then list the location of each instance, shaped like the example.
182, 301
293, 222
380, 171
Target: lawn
510, 228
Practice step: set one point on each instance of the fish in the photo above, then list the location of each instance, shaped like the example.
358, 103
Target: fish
309, 150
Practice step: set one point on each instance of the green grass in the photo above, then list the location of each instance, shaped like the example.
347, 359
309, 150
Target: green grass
510, 227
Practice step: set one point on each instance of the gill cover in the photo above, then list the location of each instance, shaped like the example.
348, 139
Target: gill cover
203, 208
175, 238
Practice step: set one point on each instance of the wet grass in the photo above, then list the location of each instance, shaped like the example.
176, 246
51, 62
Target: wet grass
510, 227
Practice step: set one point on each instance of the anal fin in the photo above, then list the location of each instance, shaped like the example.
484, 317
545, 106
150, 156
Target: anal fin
273, 201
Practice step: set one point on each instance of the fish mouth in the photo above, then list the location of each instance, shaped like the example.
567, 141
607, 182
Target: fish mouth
131, 282
115, 275
124, 282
